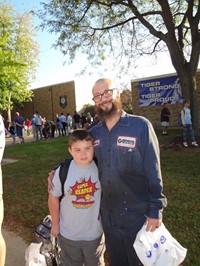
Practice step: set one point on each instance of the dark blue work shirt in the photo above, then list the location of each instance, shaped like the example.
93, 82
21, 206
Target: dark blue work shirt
129, 170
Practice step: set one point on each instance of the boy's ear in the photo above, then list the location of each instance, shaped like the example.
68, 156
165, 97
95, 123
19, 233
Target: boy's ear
69, 150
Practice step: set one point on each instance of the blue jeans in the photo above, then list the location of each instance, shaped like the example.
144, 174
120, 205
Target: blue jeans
119, 244
189, 129
38, 129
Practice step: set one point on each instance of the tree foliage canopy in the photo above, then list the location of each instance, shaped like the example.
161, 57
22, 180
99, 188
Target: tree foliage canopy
18, 56
125, 29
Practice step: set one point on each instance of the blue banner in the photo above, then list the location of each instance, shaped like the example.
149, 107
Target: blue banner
159, 90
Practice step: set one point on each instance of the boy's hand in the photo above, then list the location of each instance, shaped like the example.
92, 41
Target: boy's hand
49, 180
55, 230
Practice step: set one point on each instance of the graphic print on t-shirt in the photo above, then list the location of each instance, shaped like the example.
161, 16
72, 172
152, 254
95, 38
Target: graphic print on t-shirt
83, 191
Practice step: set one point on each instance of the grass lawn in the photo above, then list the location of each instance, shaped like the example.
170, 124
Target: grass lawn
25, 188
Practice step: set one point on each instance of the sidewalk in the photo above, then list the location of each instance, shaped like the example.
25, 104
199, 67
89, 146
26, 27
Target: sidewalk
9, 141
15, 245
15, 249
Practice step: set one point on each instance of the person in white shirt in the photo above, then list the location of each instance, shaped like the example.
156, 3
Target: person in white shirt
63, 121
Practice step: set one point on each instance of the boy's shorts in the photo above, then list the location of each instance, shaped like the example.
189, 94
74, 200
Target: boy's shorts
77, 253
164, 124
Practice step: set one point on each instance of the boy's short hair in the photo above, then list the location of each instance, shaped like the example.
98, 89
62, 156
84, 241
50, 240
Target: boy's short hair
186, 101
80, 134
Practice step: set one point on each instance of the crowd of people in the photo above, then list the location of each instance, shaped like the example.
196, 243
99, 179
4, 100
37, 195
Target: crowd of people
42, 128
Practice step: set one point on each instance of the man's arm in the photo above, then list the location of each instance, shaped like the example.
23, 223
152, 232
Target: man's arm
157, 200
49, 180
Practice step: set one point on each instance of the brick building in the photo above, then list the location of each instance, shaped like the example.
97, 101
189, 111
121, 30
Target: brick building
50, 100
153, 112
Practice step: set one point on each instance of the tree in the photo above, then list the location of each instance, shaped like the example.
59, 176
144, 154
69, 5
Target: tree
126, 98
88, 108
18, 57
128, 29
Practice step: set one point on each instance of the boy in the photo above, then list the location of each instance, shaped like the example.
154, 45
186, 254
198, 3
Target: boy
76, 218
164, 118
187, 125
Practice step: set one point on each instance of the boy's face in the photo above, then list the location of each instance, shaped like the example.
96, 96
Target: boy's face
82, 152
187, 104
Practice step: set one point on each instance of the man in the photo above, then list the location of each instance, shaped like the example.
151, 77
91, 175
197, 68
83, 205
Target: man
77, 120
63, 120
2, 146
187, 125
38, 125
19, 124
127, 151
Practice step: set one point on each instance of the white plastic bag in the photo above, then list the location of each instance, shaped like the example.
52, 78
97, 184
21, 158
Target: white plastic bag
33, 256
158, 248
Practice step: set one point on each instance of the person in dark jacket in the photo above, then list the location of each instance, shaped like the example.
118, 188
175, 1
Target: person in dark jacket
164, 118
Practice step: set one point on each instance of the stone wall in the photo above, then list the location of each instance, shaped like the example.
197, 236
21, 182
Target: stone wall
47, 101
153, 112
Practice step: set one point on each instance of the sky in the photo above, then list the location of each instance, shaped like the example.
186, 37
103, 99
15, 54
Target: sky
52, 70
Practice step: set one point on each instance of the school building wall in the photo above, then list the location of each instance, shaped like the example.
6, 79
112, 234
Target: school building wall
153, 112
47, 101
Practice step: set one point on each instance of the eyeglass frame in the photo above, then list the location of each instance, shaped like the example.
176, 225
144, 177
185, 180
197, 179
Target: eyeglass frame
103, 94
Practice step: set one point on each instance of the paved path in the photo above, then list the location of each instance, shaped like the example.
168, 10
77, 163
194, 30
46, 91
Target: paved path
15, 249
15, 245
9, 141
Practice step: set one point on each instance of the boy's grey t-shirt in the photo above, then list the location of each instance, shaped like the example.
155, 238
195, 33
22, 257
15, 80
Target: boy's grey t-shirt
80, 206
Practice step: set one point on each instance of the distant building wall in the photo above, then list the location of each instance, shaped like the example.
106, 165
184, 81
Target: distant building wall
153, 112
48, 101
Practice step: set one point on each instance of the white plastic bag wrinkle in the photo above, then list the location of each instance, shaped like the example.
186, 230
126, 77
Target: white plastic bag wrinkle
158, 248
33, 256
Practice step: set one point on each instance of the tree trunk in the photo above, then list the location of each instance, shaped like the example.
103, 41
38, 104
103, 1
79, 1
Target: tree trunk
9, 109
189, 92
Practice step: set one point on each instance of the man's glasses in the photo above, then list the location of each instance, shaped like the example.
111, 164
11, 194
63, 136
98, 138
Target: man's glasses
106, 94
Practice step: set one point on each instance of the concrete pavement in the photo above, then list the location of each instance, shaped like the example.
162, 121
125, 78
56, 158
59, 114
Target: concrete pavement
15, 245
15, 249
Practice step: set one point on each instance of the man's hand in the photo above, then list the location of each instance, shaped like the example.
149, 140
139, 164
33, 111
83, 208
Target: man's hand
49, 179
152, 224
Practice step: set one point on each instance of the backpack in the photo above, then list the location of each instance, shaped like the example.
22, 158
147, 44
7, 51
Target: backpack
63, 171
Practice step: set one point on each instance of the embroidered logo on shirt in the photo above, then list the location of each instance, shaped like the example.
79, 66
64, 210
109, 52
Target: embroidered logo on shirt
96, 142
127, 142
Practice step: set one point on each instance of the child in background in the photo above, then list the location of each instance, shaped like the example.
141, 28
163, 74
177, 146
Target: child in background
76, 219
12, 132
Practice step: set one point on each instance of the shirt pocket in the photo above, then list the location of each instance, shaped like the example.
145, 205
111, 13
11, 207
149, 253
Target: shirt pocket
128, 161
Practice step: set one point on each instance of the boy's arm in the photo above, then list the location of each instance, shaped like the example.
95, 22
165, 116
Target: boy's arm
54, 209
